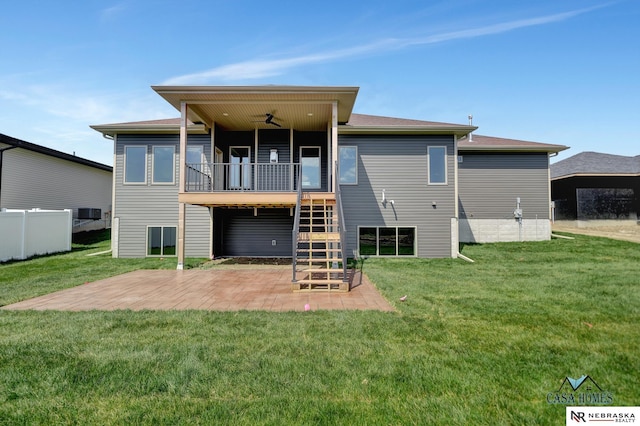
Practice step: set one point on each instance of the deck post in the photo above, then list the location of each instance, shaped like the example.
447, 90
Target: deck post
182, 208
334, 145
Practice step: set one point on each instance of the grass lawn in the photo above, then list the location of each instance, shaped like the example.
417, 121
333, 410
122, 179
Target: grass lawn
474, 343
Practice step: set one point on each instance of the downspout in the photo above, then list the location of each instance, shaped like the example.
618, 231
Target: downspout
1, 155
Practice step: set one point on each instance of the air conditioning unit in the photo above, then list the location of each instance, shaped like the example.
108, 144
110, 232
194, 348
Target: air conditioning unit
94, 214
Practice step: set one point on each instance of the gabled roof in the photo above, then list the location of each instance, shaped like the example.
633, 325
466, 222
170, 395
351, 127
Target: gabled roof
491, 143
591, 163
18, 143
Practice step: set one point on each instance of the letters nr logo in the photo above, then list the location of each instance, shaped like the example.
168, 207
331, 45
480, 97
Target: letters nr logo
577, 416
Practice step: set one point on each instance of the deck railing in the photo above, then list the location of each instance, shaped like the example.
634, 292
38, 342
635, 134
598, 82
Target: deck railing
343, 227
242, 177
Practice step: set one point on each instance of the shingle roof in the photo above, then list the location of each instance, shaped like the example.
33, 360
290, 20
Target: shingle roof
479, 143
377, 120
492, 143
596, 163
18, 143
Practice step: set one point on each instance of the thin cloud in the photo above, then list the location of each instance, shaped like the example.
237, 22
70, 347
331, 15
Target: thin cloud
256, 69
111, 12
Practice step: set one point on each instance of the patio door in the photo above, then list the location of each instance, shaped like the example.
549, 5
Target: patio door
310, 162
240, 167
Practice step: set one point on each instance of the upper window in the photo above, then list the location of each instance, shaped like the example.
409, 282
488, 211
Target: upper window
348, 163
194, 156
135, 164
437, 165
163, 164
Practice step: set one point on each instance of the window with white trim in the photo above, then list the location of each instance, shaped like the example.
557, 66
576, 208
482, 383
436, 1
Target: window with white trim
135, 164
386, 241
161, 241
348, 165
164, 165
437, 157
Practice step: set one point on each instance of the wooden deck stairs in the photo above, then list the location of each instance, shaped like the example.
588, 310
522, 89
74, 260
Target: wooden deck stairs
318, 246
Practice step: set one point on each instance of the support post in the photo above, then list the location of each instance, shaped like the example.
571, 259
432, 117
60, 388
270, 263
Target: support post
334, 145
182, 208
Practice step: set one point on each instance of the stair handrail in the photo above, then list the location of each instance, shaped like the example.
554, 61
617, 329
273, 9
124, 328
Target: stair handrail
296, 224
341, 224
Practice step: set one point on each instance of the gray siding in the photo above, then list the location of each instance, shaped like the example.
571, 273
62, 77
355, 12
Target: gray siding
244, 234
488, 185
34, 180
139, 206
398, 164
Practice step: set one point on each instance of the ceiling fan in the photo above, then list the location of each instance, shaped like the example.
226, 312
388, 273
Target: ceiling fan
269, 117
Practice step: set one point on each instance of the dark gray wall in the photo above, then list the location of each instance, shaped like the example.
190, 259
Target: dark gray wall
488, 185
398, 164
240, 233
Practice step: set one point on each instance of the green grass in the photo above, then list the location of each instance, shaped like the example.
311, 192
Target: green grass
479, 343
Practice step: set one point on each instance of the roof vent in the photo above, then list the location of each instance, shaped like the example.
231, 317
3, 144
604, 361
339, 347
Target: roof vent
471, 124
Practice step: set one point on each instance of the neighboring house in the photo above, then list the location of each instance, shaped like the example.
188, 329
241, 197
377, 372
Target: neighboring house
594, 186
291, 171
33, 176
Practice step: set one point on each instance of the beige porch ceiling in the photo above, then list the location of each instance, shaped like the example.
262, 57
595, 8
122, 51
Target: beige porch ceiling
245, 108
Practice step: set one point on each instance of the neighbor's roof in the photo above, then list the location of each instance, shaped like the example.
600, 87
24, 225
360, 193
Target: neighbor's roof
596, 164
491, 143
18, 143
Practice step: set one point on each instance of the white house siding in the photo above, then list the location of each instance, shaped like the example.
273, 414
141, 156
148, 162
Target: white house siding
140, 206
34, 180
489, 185
399, 165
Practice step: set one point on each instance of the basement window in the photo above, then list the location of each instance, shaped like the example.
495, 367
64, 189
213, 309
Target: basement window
386, 241
161, 241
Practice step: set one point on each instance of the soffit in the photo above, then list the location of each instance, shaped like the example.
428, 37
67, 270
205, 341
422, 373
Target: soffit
246, 108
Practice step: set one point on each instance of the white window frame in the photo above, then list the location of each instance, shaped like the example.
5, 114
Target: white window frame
340, 148
429, 165
173, 165
162, 254
377, 228
246, 171
124, 165
319, 166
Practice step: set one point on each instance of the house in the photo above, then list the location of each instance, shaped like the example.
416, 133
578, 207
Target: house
34, 176
291, 171
592, 186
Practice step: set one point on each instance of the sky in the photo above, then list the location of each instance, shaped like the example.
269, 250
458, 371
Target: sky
554, 71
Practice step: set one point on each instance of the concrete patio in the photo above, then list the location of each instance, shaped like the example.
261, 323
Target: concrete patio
218, 289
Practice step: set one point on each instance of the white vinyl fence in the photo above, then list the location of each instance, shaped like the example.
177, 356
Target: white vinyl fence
26, 233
